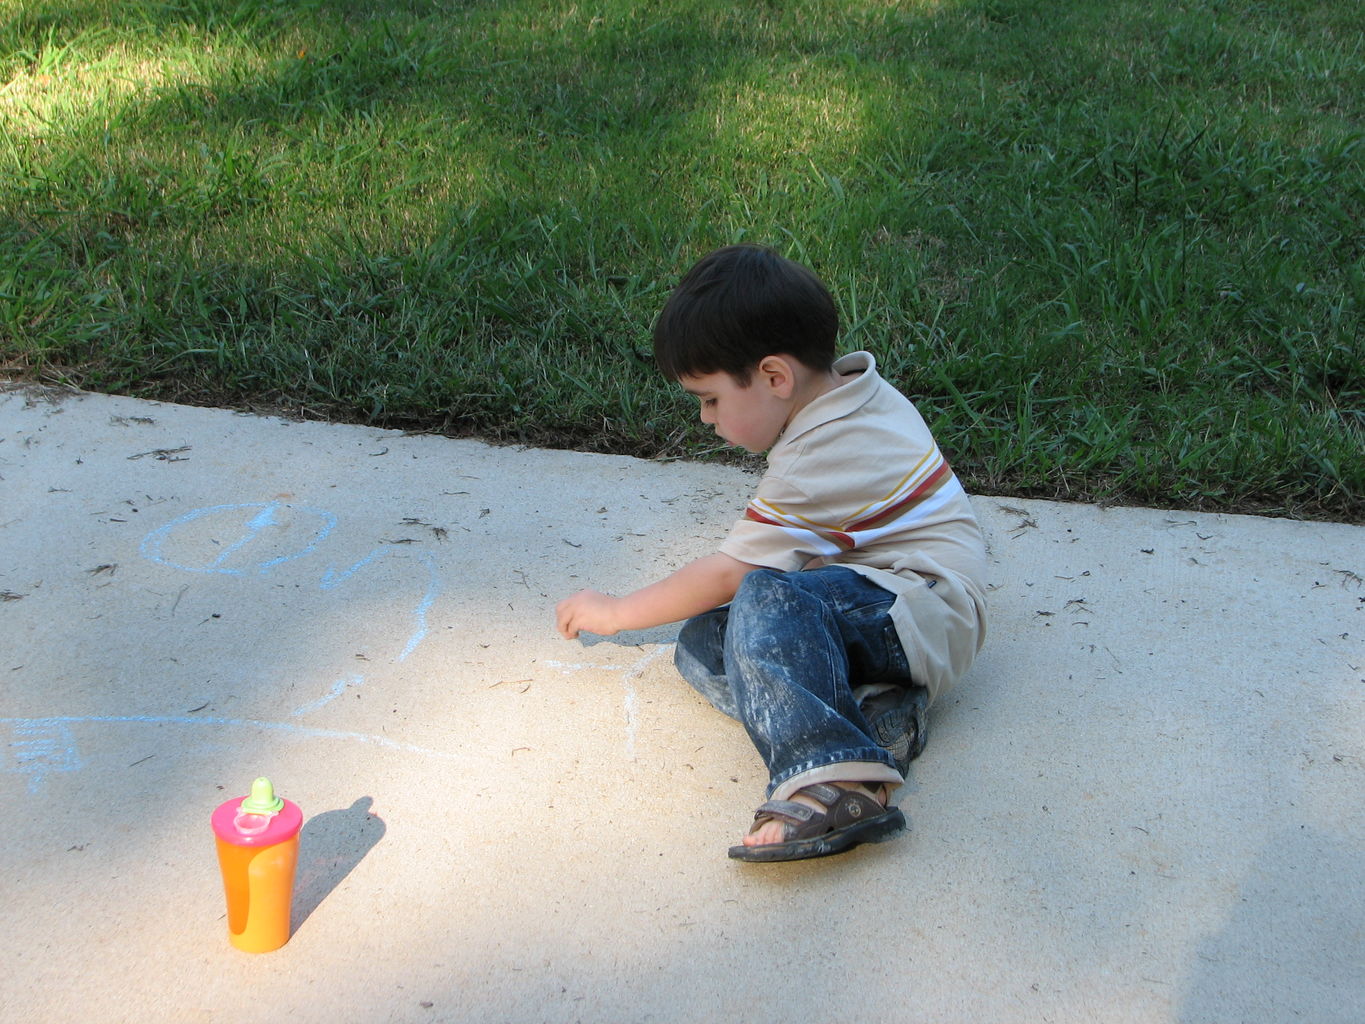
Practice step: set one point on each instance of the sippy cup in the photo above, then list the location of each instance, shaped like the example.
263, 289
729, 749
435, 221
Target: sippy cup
258, 850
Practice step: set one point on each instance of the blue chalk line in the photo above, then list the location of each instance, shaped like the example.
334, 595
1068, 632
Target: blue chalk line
264, 518
338, 688
40, 746
60, 722
153, 544
332, 578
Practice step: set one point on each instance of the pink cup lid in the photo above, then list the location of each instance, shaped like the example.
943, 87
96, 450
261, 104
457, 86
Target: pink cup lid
259, 819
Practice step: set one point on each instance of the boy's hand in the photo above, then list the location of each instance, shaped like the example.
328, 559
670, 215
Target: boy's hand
587, 610
698, 586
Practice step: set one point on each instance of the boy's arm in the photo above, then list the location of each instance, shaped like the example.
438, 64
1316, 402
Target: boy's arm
695, 588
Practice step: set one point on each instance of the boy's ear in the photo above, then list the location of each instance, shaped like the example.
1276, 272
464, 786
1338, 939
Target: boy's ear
778, 375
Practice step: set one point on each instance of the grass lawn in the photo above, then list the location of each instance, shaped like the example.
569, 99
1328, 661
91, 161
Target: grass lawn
1114, 249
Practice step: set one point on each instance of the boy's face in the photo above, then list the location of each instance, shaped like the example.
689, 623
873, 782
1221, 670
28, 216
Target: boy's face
750, 417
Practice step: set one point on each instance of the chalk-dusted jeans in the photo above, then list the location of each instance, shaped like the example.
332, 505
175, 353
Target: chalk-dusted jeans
783, 658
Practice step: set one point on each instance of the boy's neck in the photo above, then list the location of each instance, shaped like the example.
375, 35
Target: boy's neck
810, 385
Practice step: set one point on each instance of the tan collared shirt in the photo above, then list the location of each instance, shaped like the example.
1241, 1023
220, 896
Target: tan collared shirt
856, 479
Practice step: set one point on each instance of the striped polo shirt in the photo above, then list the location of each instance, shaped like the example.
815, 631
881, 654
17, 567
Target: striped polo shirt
856, 479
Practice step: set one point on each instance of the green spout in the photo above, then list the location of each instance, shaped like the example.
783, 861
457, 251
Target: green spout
262, 799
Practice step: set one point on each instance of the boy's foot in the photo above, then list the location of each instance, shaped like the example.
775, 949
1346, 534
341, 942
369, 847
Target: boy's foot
899, 722
820, 820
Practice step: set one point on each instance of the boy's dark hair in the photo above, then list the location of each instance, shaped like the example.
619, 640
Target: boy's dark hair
736, 306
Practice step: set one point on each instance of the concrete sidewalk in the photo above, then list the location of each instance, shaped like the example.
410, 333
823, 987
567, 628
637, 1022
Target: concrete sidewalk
1145, 803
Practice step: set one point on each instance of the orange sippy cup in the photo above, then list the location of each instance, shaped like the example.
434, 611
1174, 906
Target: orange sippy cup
258, 849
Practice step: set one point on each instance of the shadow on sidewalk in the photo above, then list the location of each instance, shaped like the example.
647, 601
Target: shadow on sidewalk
330, 846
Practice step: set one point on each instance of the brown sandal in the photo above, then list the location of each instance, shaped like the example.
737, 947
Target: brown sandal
850, 817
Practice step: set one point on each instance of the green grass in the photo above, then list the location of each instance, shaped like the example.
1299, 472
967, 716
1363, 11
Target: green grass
1113, 249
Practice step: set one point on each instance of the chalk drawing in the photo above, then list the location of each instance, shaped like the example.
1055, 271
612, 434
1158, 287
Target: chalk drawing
634, 672
244, 540
332, 579
253, 538
338, 688
59, 726
259, 522
39, 746
424, 606
629, 674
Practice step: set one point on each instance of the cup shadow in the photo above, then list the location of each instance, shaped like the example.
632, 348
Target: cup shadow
331, 844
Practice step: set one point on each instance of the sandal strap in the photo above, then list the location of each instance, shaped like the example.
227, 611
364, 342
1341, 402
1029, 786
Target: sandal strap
824, 794
797, 814
838, 804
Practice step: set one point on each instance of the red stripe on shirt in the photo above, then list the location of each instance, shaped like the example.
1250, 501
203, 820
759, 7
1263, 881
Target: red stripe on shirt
931, 483
842, 539
758, 517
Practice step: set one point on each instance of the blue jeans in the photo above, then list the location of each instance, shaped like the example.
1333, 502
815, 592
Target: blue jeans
783, 658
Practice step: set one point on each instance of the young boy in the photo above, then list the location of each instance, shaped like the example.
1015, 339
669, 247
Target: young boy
849, 595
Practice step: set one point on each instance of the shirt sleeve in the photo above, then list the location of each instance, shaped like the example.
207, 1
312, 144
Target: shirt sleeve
783, 528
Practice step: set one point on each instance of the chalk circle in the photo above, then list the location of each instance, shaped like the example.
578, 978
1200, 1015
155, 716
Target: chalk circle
235, 540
